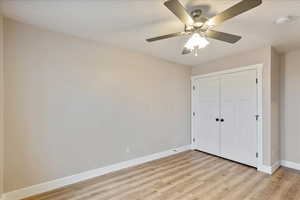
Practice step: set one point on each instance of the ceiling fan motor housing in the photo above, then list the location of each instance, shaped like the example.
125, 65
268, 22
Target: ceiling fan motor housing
196, 13
199, 20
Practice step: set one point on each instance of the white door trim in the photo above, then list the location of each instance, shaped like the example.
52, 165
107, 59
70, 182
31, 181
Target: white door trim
259, 70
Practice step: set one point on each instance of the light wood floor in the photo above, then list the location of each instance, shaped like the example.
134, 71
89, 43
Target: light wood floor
190, 175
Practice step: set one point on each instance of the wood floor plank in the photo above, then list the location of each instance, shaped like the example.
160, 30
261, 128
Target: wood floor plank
190, 175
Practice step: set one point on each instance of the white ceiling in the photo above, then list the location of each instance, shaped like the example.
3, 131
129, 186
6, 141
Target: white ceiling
127, 23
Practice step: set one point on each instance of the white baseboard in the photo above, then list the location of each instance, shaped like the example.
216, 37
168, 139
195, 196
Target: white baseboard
51, 185
193, 146
269, 169
275, 166
290, 164
264, 168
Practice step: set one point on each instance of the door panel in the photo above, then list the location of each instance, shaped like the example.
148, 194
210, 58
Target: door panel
207, 110
238, 134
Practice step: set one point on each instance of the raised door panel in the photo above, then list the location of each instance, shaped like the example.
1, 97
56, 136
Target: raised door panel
238, 134
207, 111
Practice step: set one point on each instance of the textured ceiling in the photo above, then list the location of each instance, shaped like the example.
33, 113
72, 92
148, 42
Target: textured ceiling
127, 23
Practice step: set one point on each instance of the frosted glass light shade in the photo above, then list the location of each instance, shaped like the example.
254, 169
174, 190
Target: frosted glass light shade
196, 41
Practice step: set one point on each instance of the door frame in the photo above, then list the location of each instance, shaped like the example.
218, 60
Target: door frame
259, 74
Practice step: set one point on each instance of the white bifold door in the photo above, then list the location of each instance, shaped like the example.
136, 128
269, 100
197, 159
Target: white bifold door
225, 109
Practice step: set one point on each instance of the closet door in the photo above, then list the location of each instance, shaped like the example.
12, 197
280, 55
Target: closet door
238, 134
206, 124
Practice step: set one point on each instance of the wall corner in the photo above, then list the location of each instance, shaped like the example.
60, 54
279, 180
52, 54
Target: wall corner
1, 105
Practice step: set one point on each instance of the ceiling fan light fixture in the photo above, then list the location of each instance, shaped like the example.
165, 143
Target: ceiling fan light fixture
210, 23
196, 41
198, 24
189, 28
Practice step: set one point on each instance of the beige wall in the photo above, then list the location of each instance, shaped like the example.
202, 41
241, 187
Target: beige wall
74, 105
1, 105
65, 95
275, 105
257, 56
290, 107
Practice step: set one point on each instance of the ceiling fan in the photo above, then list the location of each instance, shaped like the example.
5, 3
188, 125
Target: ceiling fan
200, 26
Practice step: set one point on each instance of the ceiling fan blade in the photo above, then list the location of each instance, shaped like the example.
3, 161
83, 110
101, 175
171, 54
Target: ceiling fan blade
166, 36
225, 37
177, 8
186, 51
235, 10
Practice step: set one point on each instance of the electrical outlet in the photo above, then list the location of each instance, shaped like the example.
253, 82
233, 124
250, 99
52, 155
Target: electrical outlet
128, 150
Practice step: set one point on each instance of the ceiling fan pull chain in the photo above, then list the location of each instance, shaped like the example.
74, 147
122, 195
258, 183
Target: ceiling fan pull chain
196, 48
